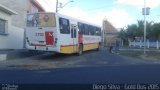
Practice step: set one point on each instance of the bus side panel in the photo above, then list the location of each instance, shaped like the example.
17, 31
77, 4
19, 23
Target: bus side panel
90, 46
68, 49
65, 42
90, 42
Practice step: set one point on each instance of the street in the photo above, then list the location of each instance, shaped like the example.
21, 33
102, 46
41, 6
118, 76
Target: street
87, 59
91, 67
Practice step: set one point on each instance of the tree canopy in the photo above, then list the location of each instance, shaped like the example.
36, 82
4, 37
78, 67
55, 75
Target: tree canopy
134, 31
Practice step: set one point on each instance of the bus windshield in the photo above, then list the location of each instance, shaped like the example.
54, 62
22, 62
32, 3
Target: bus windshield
41, 20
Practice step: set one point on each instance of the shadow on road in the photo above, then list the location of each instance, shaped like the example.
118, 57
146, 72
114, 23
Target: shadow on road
61, 57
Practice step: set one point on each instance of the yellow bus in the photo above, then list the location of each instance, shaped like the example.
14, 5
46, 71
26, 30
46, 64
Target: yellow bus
61, 34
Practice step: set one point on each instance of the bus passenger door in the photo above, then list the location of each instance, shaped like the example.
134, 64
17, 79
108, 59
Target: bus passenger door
74, 37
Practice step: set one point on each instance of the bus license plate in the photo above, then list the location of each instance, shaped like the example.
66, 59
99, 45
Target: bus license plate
41, 48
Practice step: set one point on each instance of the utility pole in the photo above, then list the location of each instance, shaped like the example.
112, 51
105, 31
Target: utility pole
56, 6
144, 26
61, 5
145, 12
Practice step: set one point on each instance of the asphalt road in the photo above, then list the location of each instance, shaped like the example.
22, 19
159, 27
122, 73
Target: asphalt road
84, 75
92, 67
52, 61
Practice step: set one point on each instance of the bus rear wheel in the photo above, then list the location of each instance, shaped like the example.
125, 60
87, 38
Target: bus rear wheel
98, 47
80, 51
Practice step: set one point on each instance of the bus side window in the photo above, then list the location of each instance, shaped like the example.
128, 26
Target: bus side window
98, 31
80, 26
94, 31
90, 29
64, 26
86, 29
83, 29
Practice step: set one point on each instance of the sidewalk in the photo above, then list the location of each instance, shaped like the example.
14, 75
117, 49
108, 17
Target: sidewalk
8, 54
4, 51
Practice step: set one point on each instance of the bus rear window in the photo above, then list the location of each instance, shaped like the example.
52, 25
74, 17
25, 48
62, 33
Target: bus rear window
41, 20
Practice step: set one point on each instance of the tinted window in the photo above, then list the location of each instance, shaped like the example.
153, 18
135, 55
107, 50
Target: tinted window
92, 30
81, 28
98, 31
64, 26
86, 29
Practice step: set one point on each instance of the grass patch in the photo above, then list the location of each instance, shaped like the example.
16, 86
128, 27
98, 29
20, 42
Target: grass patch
150, 55
135, 54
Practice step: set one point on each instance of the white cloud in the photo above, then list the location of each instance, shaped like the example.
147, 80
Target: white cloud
49, 5
74, 12
140, 3
119, 18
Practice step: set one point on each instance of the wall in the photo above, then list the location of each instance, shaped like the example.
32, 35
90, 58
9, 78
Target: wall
17, 23
3, 42
110, 33
110, 39
21, 7
14, 39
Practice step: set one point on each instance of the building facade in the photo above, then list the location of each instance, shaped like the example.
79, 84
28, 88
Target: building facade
110, 33
13, 21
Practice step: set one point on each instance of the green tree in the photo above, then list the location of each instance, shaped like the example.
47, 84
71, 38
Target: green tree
123, 35
137, 30
140, 25
156, 30
132, 31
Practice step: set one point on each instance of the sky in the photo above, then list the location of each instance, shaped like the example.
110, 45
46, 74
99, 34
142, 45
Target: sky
119, 13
